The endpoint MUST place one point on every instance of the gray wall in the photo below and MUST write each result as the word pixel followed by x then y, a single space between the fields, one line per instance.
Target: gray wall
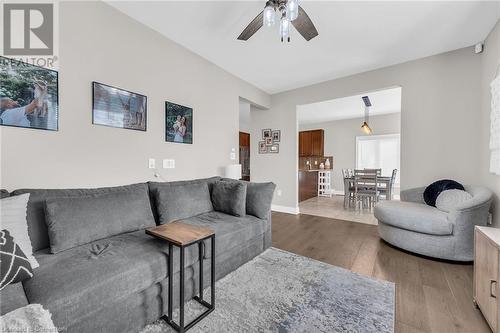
pixel 440 120
pixel 340 140
pixel 100 43
pixel 490 63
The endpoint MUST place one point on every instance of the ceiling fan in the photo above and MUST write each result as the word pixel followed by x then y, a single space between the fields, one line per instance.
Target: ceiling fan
pixel 288 11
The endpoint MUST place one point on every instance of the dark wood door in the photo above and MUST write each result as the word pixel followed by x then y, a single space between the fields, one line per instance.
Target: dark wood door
pixel 317 147
pixel 245 155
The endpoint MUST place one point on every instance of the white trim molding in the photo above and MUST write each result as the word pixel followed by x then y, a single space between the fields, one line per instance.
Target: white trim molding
pixel 285 209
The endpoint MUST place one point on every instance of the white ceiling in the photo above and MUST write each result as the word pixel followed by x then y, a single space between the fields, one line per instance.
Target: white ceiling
pixel 353 36
pixel 383 102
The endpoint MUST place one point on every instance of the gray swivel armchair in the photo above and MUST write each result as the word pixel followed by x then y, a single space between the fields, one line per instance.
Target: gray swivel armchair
pixel 412 225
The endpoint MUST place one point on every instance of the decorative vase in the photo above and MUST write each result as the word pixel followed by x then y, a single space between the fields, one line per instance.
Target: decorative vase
pixel 321 166
pixel 327 163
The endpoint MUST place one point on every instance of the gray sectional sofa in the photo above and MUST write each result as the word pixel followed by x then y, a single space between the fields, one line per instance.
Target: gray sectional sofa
pixel 119 283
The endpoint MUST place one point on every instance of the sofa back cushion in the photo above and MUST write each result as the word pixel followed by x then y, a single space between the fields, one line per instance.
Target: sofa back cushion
pixel 4 194
pixel 37 227
pixel 259 197
pixel 230 197
pixel 74 221
pixel 155 186
pixel 182 200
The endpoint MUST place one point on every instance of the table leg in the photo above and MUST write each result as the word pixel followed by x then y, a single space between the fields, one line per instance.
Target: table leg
pixel 212 287
pixel 170 279
pixel 200 255
pixel 181 301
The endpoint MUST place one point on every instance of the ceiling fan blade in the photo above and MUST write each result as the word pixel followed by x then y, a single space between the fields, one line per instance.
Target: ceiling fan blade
pixel 253 27
pixel 304 25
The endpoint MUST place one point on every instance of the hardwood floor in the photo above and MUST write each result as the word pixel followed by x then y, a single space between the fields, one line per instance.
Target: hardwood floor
pixel 431 296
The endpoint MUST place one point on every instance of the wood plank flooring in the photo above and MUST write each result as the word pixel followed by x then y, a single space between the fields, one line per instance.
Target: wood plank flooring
pixel 431 296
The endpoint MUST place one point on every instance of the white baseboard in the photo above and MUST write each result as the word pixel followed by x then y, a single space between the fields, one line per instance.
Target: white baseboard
pixel 337 192
pixel 285 209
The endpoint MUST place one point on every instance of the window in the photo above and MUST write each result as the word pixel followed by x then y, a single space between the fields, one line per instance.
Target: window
pixel 379 152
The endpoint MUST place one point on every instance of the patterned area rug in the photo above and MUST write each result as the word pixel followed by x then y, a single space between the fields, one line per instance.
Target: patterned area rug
pixel 279 291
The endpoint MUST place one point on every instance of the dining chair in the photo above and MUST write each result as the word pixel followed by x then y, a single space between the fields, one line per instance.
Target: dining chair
pixel 366 190
pixel 388 191
pixel 348 187
pixel 379 171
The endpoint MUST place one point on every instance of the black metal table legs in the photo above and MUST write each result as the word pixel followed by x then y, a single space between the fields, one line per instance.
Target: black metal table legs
pixel 210 306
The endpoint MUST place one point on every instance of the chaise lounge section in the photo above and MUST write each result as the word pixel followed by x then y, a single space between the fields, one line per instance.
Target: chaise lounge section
pixel 120 283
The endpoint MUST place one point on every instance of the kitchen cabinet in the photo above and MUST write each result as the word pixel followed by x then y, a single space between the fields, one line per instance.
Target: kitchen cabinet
pixel 311 143
pixel 308 184
pixel 486 274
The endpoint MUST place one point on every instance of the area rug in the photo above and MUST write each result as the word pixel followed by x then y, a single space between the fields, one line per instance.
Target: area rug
pixel 279 291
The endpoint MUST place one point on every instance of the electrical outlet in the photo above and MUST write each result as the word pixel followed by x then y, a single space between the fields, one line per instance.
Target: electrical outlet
pixel 152 163
pixel 232 156
pixel 168 164
pixel 279 192
pixel 490 219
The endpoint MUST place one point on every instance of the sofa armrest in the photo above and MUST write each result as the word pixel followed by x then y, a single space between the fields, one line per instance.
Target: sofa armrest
pixel 413 195
pixel 268 239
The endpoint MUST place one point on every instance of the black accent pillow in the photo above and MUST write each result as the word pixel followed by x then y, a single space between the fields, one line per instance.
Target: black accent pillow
pixel 434 190
pixel 14 265
pixel 230 197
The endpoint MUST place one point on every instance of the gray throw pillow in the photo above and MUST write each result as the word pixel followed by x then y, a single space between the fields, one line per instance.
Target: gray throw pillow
pixel 74 221
pixel 230 197
pixel 259 199
pixel 449 199
pixel 177 202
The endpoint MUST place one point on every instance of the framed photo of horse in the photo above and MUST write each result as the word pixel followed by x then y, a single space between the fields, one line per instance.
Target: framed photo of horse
pixel 117 107
pixel 29 95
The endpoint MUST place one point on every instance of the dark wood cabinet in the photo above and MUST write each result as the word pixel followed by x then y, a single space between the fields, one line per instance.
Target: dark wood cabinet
pixel 311 143
pixel 308 185
pixel 245 155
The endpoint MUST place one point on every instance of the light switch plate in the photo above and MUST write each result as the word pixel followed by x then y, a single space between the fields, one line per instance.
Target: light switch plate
pixel 152 163
pixel 168 164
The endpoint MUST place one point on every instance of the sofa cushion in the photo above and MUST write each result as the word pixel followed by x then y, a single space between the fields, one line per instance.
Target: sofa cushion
pixel 230 197
pixel 83 279
pixel 74 221
pixel 176 202
pixel 259 197
pixel 432 191
pixel 230 231
pixel 413 216
pixel 13 297
pixel 450 199
pixel 14 265
pixel 36 207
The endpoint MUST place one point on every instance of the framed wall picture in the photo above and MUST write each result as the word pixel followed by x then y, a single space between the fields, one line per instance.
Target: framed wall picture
pixel 269 141
pixel 276 135
pixel 178 123
pixel 262 147
pixel 115 107
pixel 29 95
pixel 274 148
pixel 266 133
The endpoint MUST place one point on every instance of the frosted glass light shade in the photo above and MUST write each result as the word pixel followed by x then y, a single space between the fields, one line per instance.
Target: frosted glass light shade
pixel 284 29
pixel 292 9
pixel 233 171
pixel 269 16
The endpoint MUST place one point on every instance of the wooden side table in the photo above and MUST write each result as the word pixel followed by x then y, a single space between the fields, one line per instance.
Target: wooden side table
pixel 487 274
pixel 183 235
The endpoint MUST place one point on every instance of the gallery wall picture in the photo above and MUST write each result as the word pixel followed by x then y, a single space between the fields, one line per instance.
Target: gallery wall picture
pixel 28 95
pixel 117 107
pixel 178 123
pixel 270 141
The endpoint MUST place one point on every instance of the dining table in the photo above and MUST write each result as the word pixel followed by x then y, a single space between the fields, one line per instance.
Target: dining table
pixel 381 180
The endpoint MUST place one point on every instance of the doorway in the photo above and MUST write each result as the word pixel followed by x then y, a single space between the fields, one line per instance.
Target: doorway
pixel 245 155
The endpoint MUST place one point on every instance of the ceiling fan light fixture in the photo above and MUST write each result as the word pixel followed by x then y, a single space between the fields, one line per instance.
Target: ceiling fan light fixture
pixel 292 9
pixel 269 14
pixel 285 29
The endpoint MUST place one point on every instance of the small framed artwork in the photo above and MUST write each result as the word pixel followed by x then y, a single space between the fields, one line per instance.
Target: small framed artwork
pixel 115 107
pixel 266 133
pixel 276 135
pixel 274 148
pixel 178 123
pixel 262 147
pixel 269 141
pixel 29 95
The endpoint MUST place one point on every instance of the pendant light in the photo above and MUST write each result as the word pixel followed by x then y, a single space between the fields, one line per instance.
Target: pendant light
pixel 269 14
pixel 365 127
pixel 284 28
